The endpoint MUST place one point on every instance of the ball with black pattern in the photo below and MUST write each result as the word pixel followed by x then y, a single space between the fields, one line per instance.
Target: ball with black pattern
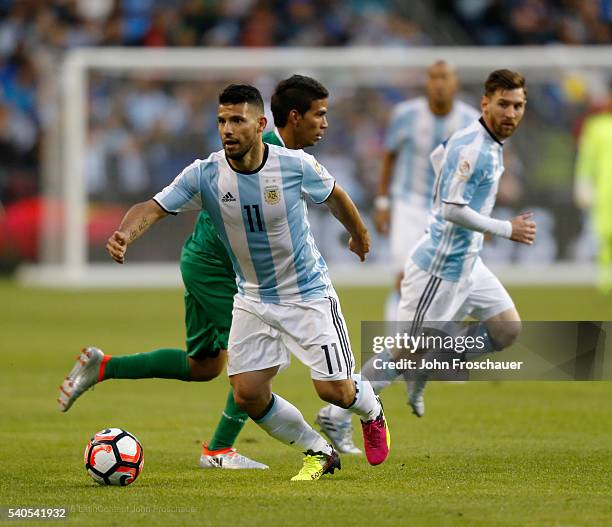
pixel 114 457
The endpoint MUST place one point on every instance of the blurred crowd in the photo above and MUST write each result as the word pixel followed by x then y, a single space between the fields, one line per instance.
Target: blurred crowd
pixel 33 34
pixel 532 22
pixel 143 130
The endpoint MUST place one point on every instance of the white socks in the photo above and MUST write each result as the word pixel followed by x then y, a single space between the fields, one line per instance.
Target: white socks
pixel 366 404
pixel 285 422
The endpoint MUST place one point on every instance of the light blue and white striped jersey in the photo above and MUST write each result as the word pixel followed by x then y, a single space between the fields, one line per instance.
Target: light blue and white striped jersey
pixel 414 131
pixel 468 167
pixel 261 218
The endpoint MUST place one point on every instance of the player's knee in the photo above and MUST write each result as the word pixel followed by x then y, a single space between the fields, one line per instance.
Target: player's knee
pixel 205 370
pixel 505 334
pixel 249 398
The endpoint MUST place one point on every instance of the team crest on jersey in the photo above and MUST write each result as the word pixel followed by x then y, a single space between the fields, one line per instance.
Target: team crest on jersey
pixel 463 170
pixel 272 194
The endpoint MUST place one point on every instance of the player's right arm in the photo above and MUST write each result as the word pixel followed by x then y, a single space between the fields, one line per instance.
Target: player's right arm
pixel 135 223
pixel 182 194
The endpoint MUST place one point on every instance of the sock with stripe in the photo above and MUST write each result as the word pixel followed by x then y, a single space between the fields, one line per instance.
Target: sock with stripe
pixel 284 422
pixel 366 405
pixel 165 363
pixel 230 425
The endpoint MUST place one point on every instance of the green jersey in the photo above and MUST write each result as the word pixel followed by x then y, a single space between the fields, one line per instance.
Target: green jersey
pixel 594 167
pixel 203 243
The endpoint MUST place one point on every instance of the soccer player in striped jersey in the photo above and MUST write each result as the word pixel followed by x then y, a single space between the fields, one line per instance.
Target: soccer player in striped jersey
pixel 407 178
pixel 254 194
pixel 444 279
pixel 406 185
pixel 299 107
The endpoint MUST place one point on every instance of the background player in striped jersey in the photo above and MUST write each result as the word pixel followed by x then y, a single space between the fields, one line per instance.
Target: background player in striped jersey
pixel 407 178
pixel 254 194
pixel 445 279
pixel 299 107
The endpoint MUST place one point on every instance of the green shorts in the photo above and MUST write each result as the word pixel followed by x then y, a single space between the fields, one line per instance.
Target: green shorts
pixel 209 297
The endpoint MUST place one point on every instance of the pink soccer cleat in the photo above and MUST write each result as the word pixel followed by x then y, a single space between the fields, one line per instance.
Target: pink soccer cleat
pixel 376 439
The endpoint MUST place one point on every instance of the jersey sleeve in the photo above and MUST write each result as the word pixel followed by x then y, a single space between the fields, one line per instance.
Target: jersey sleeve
pixel 183 193
pixel 317 182
pixel 395 131
pixel 462 177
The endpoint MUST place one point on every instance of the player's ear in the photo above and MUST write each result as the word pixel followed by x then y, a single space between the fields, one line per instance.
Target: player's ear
pixel 484 102
pixel 262 123
pixel 293 117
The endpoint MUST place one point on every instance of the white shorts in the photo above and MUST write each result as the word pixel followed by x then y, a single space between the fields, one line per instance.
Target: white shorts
pixel 425 297
pixel 265 335
pixel 408 224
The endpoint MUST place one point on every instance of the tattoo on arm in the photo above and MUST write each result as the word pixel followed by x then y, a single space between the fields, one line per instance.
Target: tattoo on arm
pixel 142 226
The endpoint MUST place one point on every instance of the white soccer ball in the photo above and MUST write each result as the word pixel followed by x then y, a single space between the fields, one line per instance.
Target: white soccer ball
pixel 114 457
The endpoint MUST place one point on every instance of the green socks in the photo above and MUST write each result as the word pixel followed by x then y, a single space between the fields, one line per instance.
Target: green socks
pixel 165 363
pixel 231 423
pixel 168 363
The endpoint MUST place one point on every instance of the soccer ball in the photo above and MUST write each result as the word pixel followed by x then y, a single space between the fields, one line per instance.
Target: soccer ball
pixel 114 457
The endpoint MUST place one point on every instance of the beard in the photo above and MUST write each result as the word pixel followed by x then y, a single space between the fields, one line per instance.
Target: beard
pixel 503 131
pixel 239 152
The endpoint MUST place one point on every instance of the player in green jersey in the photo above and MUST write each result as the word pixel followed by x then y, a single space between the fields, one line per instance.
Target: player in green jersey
pixel 299 108
pixel 593 189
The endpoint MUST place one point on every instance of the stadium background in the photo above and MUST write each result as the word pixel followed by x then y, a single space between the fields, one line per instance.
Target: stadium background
pixel 486 453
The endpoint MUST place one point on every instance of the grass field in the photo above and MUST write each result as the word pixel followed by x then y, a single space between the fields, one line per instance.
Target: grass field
pixel 485 453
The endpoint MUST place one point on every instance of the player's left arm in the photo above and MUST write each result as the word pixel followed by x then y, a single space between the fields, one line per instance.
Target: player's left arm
pixel 467 217
pixel 464 179
pixel 321 187
pixel 342 207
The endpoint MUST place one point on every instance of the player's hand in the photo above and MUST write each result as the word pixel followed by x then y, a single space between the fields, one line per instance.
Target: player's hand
pixel 382 220
pixel 523 228
pixel 360 245
pixel 116 246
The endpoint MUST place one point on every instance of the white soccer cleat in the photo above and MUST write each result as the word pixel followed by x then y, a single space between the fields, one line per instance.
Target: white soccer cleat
pixel 339 434
pixel 416 401
pixel 228 458
pixel 84 375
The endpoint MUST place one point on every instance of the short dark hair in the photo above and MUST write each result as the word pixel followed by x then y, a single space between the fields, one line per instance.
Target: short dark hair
pixel 295 93
pixel 239 93
pixel 504 80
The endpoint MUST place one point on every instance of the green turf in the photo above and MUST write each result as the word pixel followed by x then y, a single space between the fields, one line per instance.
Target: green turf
pixel 484 454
